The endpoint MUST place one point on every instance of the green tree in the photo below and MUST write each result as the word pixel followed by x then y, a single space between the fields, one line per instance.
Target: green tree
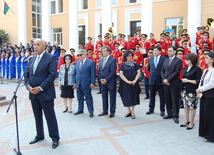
pixel 4 35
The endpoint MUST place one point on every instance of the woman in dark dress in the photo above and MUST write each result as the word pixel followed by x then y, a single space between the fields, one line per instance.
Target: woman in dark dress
pixel 206 93
pixel 190 78
pixel 129 88
pixel 66 82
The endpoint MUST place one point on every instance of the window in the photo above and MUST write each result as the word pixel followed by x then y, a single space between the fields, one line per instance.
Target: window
pixel 134 26
pixel 99 3
pixel 85 4
pixel 82 34
pixel 176 25
pixel 36 19
pixel 57 35
pixel 101 29
pixel 56 6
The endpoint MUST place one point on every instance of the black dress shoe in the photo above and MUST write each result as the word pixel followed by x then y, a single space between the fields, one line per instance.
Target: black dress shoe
pixel 102 114
pixel 167 117
pixel 99 92
pixel 55 144
pixel 91 115
pixel 184 125
pixel 190 128
pixel 162 113
pixel 77 113
pixel 65 110
pixel 176 120
pixel 111 115
pixel 149 112
pixel 35 140
pixel 147 98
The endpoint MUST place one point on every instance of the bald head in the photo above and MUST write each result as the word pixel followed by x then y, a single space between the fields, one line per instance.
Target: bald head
pixel 39 46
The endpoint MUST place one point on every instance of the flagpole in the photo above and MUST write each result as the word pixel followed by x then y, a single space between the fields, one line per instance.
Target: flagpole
pixel 10 8
pixel 12 11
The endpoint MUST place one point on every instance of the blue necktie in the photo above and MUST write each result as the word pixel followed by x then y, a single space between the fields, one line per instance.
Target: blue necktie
pixel 156 62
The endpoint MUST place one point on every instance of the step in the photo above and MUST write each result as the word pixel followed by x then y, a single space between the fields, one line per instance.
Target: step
pixel 4 102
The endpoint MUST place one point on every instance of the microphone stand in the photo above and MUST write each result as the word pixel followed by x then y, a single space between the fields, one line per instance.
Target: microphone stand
pixel 16 113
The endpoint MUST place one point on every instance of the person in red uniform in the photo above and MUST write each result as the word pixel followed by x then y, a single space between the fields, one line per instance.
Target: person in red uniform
pixel 144 45
pixel 123 42
pixel 168 43
pixel 180 55
pixel 185 31
pixel 200 52
pixel 146 72
pixel 138 34
pixel 131 43
pixel 97 67
pixel 198 36
pixel 206 39
pixel 169 38
pixel 116 53
pixel 184 37
pixel 113 42
pixel 106 42
pixel 90 45
pixel 120 60
pixel 202 62
pixel 61 59
pixel 90 56
pixel 152 40
pixel 119 37
pixel 96 52
pixel 99 41
pixel 135 38
pixel 163 44
pixel 186 49
pixel 163 52
pixel 138 55
pixel 74 57
pixel 81 46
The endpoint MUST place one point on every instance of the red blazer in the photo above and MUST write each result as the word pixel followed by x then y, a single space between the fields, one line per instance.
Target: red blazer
pixel 98 43
pixel 90 46
pixel 120 61
pixel 61 62
pixel 116 54
pixel 131 44
pixel 145 67
pixel 124 44
pixel 153 42
pixel 138 57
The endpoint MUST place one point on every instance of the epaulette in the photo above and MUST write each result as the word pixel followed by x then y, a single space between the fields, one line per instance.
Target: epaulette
pixel 189 41
pixel 167 42
pixel 141 52
pixel 139 38
pixel 92 44
pixel 133 41
pixel 109 42
pixel 210 40
pixel 189 49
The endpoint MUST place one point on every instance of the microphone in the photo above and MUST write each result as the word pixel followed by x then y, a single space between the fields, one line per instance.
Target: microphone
pixel 29 58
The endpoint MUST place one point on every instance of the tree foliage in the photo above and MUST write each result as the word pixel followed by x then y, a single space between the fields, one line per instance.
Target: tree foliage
pixel 4 35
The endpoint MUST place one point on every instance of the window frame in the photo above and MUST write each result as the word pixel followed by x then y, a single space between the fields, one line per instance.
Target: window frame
pixel 137 1
pixel 57 7
pixel 177 35
pixel 81 5
pixel 52 30
pixel 36 27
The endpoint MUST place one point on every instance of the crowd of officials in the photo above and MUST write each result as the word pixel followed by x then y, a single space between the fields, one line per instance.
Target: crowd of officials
pixel 180 77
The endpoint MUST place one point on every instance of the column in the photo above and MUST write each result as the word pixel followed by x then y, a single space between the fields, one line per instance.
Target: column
pixel 73 24
pixel 22 33
pixel 46 20
pixel 146 16
pixel 194 20
pixel 106 16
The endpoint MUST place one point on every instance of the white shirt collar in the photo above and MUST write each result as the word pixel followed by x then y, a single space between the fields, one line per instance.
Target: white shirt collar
pixel 157 57
pixel 40 55
pixel 84 60
pixel 107 57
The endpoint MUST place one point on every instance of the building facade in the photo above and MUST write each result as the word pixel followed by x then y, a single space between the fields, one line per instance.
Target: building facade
pixel 70 22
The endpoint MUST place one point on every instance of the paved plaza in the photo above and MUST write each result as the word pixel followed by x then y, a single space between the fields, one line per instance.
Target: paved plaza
pixel 81 135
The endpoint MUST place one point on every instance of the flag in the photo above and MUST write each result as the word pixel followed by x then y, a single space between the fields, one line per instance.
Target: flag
pixel 6 8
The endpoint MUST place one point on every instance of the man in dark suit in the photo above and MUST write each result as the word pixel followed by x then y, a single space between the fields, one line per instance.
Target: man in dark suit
pixel 170 72
pixel 155 80
pixel 107 73
pixel 84 80
pixel 58 48
pixel 39 80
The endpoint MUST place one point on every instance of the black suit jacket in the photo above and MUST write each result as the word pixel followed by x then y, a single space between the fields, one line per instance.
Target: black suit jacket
pixel 44 77
pixel 58 48
pixel 172 72
pixel 155 73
